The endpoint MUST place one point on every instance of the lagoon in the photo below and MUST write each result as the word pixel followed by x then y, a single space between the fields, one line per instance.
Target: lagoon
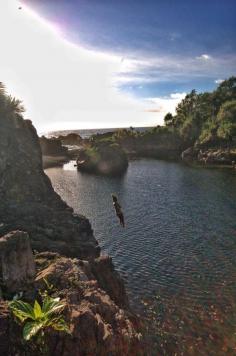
pixel 180 234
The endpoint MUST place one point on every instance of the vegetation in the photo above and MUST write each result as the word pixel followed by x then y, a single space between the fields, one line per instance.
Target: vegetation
pixel 203 119
pixel 226 120
pixel 8 104
pixel 38 320
pixel 103 156
pixel 206 117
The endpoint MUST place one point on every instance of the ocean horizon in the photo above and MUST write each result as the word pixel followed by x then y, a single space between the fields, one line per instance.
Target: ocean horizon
pixel 86 133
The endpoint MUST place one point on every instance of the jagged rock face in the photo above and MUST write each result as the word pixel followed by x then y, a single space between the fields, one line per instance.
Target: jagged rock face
pixel 28 201
pixel 52 146
pixel 21 175
pixel 17 266
pixel 190 154
pixel 100 270
pixel 218 156
pixel 70 139
pixel 98 325
pixel 109 279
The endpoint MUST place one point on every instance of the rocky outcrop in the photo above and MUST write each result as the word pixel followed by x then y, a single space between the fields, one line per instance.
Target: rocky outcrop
pixel 17 267
pixel 216 156
pixel 102 158
pixel 98 326
pixel 28 201
pixel 190 154
pixel 52 147
pixel 209 156
pixel 100 270
pixel 71 139
pixel 108 279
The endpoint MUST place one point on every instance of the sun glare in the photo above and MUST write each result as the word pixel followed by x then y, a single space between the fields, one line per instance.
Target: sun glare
pixel 63 84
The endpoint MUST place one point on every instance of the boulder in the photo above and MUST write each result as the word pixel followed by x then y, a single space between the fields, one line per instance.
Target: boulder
pixel 217 156
pixel 52 147
pixel 190 154
pixel 17 266
pixel 71 139
pixel 104 159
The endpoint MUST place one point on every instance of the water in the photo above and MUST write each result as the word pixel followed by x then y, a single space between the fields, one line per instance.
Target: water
pixel 180 222
pixel 180 235
pixel 89 132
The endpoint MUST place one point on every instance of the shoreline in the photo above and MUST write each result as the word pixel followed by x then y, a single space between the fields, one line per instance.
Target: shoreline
pixel 54 161
pixel 58 161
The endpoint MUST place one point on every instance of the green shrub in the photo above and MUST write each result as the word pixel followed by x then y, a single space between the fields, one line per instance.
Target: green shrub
pixel 37 320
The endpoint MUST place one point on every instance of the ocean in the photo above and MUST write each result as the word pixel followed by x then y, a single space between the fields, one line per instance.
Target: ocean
pixel 89 132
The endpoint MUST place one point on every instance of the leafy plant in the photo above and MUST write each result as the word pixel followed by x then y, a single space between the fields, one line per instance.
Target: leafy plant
pixel 38 319
pixel 48 289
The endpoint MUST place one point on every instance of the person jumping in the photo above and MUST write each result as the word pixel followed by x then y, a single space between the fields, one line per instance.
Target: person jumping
pixel 118 210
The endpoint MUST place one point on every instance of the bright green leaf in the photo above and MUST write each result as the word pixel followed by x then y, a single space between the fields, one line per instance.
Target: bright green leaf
pixel 61 325
pixel 22 310
pixel 37 310
pixel 31 328
pixel 52 305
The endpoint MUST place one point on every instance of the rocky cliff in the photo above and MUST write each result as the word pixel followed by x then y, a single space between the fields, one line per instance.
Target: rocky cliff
pixel 216 156
pixel 95 293
pixel 28 201
pixel 97 324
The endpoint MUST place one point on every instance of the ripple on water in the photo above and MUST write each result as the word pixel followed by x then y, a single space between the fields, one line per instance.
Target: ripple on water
pixel 180 235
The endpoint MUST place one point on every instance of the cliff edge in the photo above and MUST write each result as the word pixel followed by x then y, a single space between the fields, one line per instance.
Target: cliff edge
pixel 30 210
pixel 28 201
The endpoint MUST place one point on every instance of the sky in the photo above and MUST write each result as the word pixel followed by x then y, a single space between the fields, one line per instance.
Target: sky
pixel 112 63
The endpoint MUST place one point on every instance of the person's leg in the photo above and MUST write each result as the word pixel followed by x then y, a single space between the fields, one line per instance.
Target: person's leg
pixel 122 221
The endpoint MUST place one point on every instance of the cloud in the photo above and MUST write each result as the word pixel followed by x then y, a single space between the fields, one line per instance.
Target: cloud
pixel 204 57
pixel 163 105
pixel 67 86
pixel 218 81
pixel 178 96
pixel 159 110
pixel 173 69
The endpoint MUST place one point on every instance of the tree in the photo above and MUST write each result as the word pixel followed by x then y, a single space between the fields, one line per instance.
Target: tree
pixel 168 119
pixel 226 119
pixel 8 104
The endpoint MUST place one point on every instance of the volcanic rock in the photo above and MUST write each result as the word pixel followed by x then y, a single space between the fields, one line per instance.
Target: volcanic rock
pixel 17 266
